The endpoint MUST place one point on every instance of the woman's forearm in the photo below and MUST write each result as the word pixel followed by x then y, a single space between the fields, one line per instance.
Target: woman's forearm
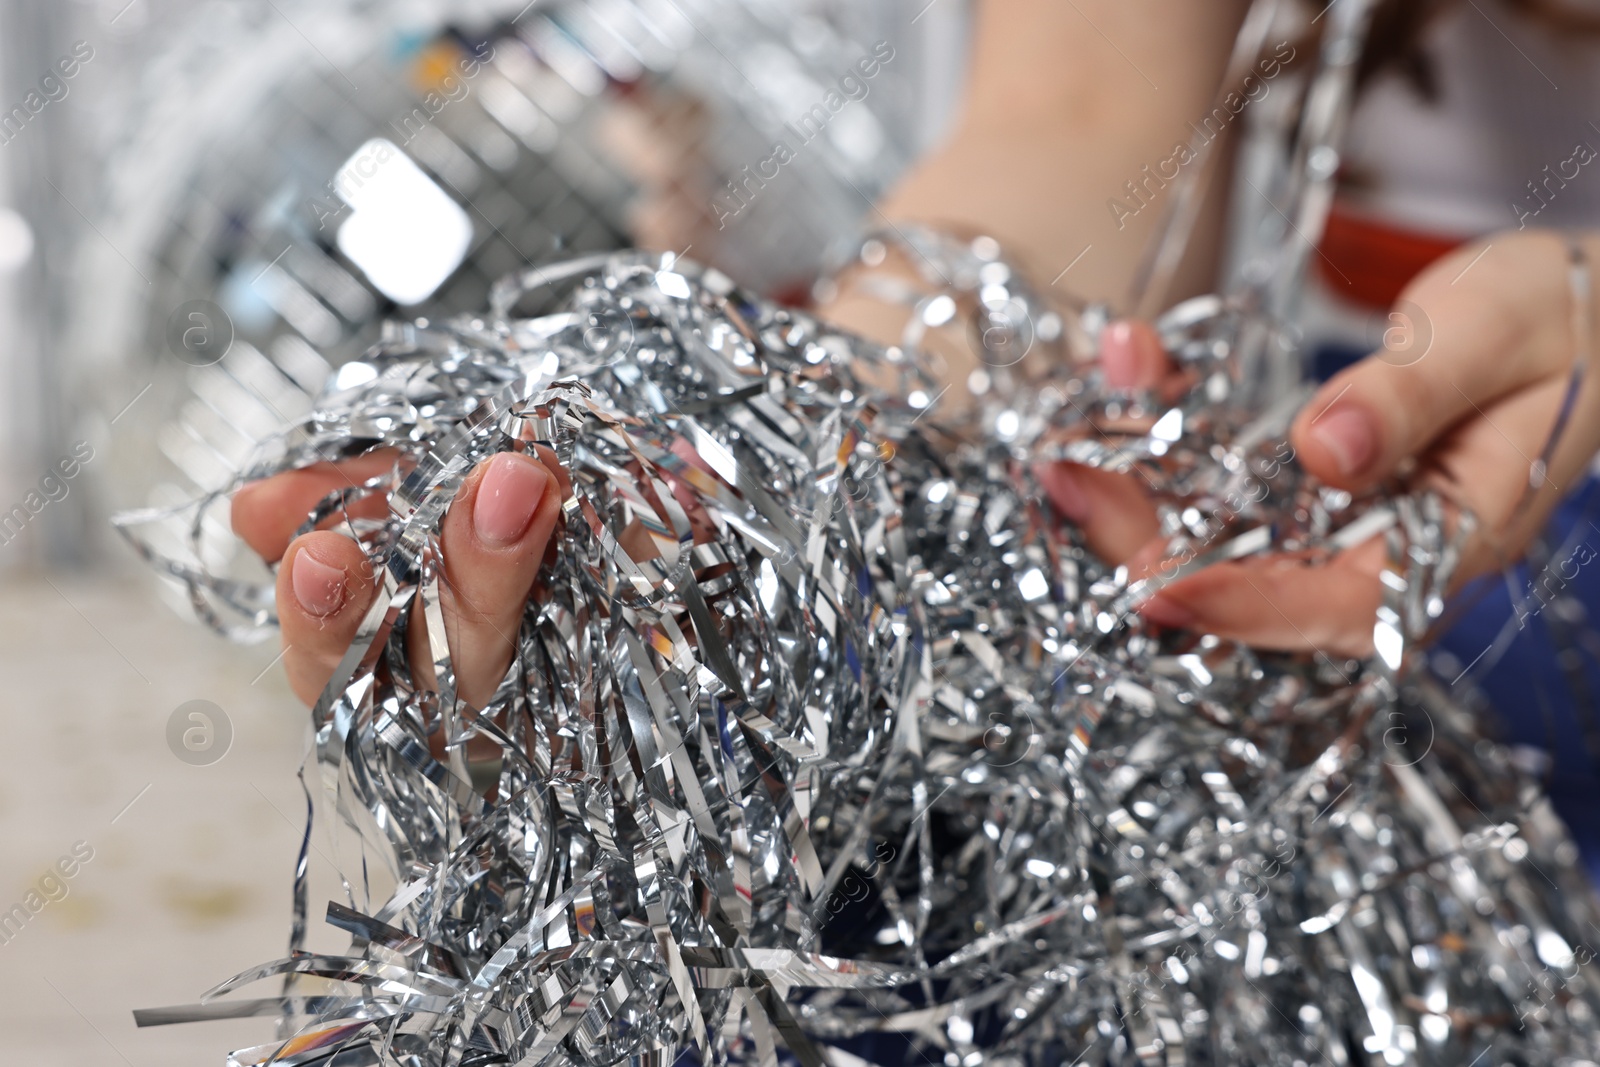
pixel 1069 101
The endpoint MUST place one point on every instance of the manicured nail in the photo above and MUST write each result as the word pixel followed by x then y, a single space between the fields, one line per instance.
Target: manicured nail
pixel 318 586
pixel 1065 489
pixel 1164 611
pixel 1348 433
pixel 508 496
pixel 1126 350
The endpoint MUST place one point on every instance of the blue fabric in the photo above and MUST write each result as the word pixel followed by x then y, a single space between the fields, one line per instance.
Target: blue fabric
pixel 1534 698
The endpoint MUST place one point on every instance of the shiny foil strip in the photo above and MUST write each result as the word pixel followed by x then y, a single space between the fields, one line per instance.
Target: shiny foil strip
pixel 827 741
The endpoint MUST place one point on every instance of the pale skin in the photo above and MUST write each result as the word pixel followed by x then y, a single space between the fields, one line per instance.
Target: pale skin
pixel 1056 118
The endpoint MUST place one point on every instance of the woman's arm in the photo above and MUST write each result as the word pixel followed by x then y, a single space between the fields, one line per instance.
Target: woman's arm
pixel 1068 101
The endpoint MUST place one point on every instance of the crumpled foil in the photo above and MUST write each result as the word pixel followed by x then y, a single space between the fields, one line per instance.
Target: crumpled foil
pixel 866 759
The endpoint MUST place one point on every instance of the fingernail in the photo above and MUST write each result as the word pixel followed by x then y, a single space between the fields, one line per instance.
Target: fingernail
pixel 1348 433
pixel 318 586
pixel 508 496
pixel 1126 351
pixel 1164 611
pixel 1065 490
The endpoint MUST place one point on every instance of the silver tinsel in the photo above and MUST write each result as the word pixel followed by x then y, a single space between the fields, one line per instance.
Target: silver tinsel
pixel 867 759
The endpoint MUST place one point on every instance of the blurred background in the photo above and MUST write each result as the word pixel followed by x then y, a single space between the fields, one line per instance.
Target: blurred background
pixel 206 208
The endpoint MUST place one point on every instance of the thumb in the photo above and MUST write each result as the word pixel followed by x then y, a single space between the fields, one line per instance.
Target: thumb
pixel 1449 354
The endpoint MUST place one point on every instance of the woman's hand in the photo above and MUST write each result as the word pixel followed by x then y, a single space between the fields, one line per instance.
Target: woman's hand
pixel 493 542
pixel 1466 407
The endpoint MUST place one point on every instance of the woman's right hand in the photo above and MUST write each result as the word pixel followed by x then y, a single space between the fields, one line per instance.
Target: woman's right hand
pixel 1467 416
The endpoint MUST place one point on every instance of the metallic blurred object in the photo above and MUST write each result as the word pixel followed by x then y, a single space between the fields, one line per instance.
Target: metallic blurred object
pixel 220 277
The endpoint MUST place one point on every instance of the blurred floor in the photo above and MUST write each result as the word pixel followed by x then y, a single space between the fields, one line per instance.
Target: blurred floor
pixel 190 876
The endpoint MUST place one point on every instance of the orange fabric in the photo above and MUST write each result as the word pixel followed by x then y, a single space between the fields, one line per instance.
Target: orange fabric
pixel 1369 263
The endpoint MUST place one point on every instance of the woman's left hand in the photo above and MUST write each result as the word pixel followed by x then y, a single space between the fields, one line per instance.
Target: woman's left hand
pixel 1466 405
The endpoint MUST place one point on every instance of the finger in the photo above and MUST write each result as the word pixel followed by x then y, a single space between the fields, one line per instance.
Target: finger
pixel 324 589
pixel 266 513
pixel 1281 603
pixel 1131 355
pixel 1116 516
pixel 1448 360
pixel 493 541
